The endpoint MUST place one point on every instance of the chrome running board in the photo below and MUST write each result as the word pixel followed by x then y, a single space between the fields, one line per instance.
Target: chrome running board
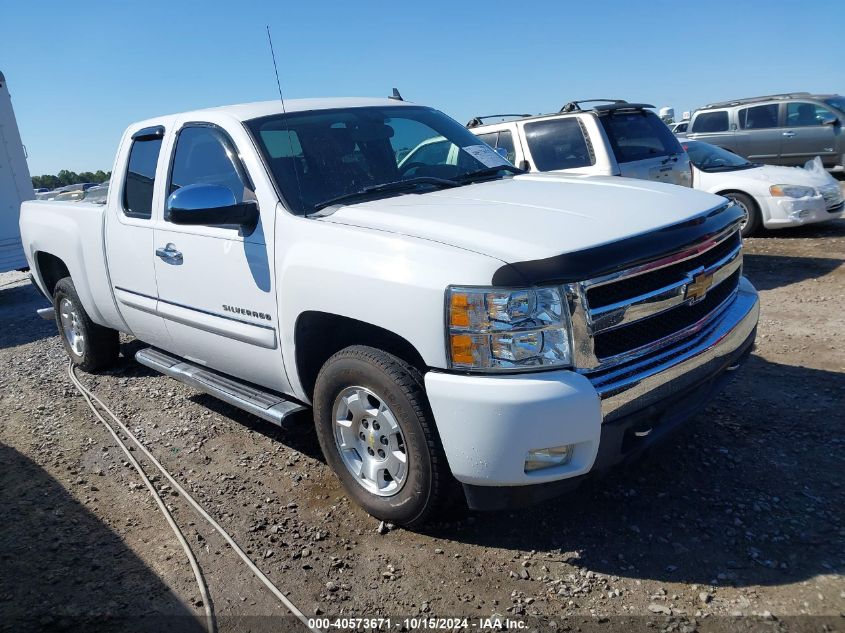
pixel 264 404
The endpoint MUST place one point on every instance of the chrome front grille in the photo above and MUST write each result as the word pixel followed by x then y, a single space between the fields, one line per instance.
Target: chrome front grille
pixel 635 312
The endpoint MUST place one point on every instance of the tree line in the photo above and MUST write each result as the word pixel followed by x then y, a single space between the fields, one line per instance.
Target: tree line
pixel 67 177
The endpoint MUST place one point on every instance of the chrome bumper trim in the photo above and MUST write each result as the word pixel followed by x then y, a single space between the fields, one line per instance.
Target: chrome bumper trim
pixel 646 381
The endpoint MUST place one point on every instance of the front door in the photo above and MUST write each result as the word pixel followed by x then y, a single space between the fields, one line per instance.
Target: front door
pixel 807 136
pixel 217 283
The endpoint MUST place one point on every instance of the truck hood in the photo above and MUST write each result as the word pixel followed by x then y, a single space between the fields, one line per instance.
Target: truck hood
pixel 532 216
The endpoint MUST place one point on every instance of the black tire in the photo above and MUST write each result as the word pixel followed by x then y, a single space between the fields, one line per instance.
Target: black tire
pixel 752 225
pixel 100 346
pixel 428 485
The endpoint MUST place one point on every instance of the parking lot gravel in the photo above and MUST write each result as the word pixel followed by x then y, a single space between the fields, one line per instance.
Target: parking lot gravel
pixel 740 516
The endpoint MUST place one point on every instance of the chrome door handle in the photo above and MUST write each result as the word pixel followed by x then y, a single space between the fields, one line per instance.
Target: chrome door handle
pixel 169 254
pixel 789 134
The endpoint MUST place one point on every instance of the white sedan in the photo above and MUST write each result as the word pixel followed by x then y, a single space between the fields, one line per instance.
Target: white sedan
pixel 772 196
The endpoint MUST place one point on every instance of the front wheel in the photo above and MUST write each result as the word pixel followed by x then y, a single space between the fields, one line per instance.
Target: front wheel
pixel 90 346
pixel 377 433
pixel 752 221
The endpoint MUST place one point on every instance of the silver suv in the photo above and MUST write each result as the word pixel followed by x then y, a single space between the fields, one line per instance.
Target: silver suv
pixel 783 129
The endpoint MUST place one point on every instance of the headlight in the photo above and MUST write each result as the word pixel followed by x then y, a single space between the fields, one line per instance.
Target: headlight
pixel 499 330
pixel 791 191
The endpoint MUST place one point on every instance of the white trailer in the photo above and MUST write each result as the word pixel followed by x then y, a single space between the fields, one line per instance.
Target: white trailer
pixel 15 184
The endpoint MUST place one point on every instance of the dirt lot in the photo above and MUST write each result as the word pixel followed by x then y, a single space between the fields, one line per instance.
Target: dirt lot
pixel 741 516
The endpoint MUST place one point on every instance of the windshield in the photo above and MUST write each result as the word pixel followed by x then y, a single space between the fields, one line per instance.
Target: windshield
pixel 711 158
pixel 327 155
pixel 836 102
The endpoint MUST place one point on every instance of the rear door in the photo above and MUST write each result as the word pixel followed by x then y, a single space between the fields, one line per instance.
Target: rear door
pixel 137 188
pixel 805 136
pixel 645 147
pixel 759 134
pixel 217 283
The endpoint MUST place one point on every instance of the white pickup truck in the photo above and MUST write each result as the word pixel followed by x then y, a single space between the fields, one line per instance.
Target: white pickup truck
pixel 448 323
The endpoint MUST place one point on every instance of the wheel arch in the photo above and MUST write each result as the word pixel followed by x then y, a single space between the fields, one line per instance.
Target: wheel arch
pixel 50 269
pixel 319 335
pixel 725 192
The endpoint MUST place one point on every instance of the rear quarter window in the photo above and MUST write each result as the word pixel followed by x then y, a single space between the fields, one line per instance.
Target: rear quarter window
pixel 558 144
pixel 638 136
pixel 710 122
pixel 140 178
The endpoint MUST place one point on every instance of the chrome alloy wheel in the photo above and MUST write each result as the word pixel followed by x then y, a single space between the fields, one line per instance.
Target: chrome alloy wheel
pixel 71 326
pixel 370 441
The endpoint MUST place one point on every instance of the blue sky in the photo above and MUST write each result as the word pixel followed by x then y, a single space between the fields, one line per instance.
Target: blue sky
pixel 80 72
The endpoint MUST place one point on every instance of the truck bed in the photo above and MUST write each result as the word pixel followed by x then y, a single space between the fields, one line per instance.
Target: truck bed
pixel 72 232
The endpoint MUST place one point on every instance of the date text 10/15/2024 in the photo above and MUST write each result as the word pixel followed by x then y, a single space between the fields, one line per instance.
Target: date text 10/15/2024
pixel 492 623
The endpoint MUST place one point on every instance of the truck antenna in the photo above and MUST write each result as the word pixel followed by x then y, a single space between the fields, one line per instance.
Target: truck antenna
pixel 285 116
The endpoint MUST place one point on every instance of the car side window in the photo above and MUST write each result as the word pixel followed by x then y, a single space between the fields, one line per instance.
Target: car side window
pixel 759 117
pixel 558 144
pixel 503 139
pixel 711 122
pixel 506 143
pixel 489 138
pixel 140 177
pixel 802 114
pixel 205 155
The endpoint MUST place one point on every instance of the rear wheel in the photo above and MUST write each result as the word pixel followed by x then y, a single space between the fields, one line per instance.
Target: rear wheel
pixel 751 223
pixel 90 346
pixel 377 433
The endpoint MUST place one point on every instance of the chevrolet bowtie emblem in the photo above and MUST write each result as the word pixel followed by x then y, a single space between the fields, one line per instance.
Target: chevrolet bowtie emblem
pixel 697 290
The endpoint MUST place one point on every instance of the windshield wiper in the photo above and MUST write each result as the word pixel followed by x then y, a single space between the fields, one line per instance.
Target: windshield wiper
pixel 398 186
pixel 481 174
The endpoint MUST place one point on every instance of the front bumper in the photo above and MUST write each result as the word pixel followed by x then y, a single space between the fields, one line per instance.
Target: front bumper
pixel 785 212
pixel 488 424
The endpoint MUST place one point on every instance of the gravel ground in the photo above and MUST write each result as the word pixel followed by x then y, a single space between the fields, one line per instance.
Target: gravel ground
pixel 740 516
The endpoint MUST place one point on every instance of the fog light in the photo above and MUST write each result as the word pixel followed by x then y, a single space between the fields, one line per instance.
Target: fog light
pixel 548 457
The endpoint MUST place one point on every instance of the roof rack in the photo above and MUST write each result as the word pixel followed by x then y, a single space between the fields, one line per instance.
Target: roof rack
pixel 575 106
pixel 608 105
pixel 733 102
pixel 479 120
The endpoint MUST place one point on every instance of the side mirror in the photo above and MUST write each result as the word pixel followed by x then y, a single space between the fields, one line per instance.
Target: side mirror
pixel 524 165
pixel 830 119
pixel 210 205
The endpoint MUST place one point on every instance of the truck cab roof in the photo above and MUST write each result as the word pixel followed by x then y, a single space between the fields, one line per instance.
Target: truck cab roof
pixel 258 109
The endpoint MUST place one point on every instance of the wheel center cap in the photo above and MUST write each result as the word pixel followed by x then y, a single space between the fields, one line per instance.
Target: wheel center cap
pixel 371 439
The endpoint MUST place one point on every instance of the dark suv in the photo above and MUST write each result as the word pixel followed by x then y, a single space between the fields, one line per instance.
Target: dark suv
pixel 783 129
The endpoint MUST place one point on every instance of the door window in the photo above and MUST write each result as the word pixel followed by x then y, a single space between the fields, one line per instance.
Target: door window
pixel 140 178
pixel 503 139
pixel 759 117
pixel 557 144
pixel 205 155
pixel 489 138
pixel 800 114
pixel 711 122
pixel 506 142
